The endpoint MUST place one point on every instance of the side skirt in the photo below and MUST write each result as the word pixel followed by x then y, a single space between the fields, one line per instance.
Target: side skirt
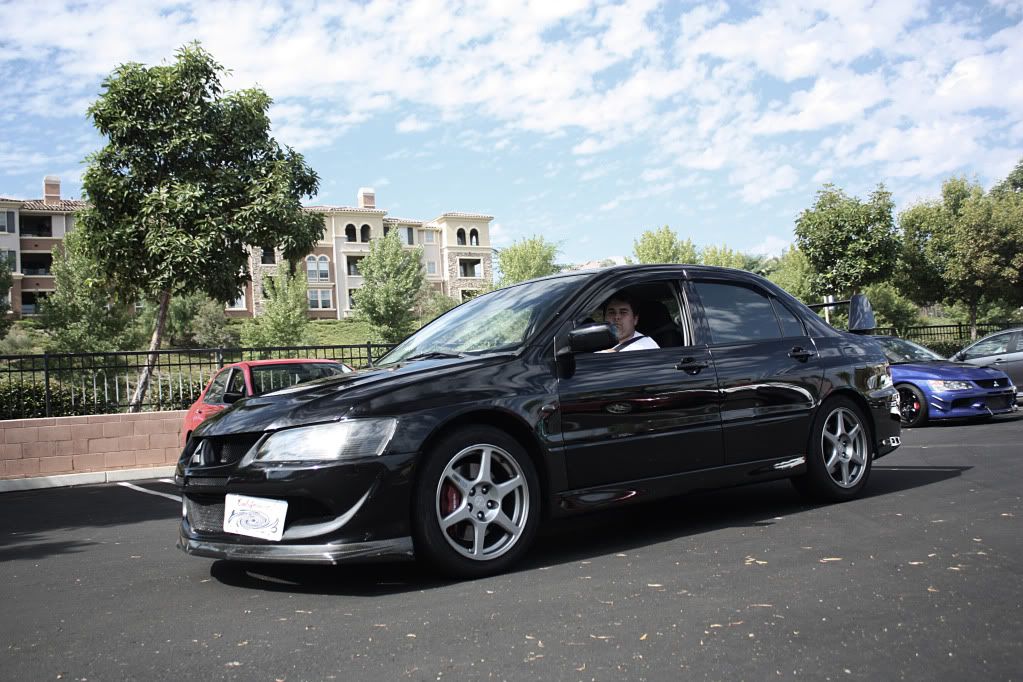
pixel 616 494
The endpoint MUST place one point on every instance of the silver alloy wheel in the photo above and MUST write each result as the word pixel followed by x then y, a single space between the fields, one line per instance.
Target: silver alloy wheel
pixel 845 447
pixel 482 502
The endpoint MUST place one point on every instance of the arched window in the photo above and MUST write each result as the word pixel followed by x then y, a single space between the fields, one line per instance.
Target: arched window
pixel 350 233
pixel 474 238
pixel 324 267
pixel 310 268
pixel 364 233
pixel 460 237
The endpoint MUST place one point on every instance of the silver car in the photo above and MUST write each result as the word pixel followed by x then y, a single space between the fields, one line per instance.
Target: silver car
pixel 1002 350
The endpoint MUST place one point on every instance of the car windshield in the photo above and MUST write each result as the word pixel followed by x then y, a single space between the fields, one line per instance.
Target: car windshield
pixel 499 321
pixel 266 378
pixel 900 350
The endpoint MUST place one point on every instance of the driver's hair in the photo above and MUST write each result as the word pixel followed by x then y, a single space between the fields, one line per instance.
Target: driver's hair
pixel 621 297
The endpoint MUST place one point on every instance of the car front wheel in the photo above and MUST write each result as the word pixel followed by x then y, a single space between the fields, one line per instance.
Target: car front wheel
pixel 912 405
pixel 839 453
pixel 476 506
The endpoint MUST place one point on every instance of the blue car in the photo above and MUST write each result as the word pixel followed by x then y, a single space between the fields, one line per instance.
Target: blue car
pixel 931 387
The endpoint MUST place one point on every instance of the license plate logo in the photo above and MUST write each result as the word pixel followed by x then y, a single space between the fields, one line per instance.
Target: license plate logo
pixel 255 517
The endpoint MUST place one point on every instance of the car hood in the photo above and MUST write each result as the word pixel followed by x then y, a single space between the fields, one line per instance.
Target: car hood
pixel 330 399
pixel 944 369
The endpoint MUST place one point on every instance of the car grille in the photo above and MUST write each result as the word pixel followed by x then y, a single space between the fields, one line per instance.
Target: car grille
pixel 205 514
pixel 992 383
pixel 1001 402
pixel 218 450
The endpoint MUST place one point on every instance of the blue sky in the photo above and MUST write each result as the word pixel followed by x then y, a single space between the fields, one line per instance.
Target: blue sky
pixel 584 122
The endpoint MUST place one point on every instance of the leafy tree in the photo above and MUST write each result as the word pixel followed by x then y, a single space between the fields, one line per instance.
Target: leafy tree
pixel 82 315
pixel 432 304
pixel 5 288
pixel 1013 182
pixel 285 318
pixel 189 178
pixel 724 257
pixel 178 329
pixel 392 277
pixel 527 259
pixel 663 246
pixel 792 272
pixel 848 243
pixel 891 307
pixel 210 328
pixel 966 249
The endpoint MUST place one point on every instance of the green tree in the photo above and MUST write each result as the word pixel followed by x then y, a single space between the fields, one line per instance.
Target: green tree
pixel 663 246
pixel 5 288
pixel 188 179
pixel 1013 182
pixel 792 272
pixel 392 277
pixel 284 320
pixel 527 259
pixel 178 331
pixel 210 328
pixel 848 243
pixel 891 307
pixel 966 249
pixel 432 304
pixel 82 315
pixel 725 257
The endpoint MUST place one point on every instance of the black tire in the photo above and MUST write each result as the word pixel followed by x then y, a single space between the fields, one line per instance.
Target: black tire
pixel 469 523
pixel 912 406
pixel 848 447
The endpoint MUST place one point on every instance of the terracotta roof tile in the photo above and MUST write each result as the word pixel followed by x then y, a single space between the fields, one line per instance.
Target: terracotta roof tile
pixel 62 206
pixel 457 214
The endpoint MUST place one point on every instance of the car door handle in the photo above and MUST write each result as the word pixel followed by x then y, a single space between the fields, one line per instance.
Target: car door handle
pixel 999 361
pixel 801 353
pixel 691 366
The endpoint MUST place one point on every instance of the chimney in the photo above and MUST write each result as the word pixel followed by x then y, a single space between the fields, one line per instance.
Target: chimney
pixel 367 197
pixel 51 189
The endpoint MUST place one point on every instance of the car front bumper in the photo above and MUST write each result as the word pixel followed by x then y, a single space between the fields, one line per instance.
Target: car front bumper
pixel 966 404
pixel 342 512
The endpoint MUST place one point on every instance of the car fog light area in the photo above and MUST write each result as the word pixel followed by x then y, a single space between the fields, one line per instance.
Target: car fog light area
pixel 940 385
pixel 350 439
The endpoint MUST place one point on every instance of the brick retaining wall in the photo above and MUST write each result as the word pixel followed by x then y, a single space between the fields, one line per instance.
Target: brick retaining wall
pixel 74 445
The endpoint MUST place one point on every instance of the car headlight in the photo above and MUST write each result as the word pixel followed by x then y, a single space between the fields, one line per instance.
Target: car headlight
pixel 347 439
pixel 943 385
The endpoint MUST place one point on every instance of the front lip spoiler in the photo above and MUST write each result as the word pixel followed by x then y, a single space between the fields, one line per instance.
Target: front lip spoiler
pixel 355 552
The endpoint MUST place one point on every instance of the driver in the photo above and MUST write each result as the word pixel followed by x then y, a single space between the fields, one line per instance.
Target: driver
pixel 620 310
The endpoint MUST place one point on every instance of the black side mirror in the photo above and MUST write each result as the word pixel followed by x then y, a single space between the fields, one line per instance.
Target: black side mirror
pixel 592 338
pixel 861 314
pixel 232 397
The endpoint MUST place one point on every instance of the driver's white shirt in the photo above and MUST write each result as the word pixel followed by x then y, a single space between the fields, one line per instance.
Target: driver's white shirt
pixel 644 343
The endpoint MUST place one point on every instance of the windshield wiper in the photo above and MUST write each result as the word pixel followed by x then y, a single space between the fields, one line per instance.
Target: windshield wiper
pixel 433 355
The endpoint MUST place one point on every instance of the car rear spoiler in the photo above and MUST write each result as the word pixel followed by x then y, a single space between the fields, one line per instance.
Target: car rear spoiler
pixel 861 313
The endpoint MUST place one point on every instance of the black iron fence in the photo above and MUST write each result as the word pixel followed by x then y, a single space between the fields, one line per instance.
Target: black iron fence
pixel 66 384
pixel 944 333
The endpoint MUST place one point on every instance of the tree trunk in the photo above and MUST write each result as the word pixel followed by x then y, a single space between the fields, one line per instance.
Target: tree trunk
pixel 154 345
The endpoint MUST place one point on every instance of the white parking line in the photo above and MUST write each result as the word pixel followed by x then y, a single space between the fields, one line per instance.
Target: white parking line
pixel 151 492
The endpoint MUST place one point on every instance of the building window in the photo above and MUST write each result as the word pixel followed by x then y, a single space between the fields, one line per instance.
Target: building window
pixel 36 226
pixel 428 237
pixel 12 260
pixel 351 299
pixel 349 233
pixel 387 230
pixel 7 221
pixel 470 267
pixel 474 238
pixel 460 237
pixel 310 269
pixel 411 236
pixel 36 264
pixel 268 257
pixel 353 265
pixel 469 294
pixel 364 234
pixel 319 299
pixel 324 268
pixel 431 267
pixel 238 303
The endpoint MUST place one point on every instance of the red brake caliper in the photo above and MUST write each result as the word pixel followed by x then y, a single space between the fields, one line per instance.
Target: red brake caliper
pixel 449 498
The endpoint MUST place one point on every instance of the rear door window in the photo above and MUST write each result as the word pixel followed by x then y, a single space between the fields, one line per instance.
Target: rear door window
pixel 736 313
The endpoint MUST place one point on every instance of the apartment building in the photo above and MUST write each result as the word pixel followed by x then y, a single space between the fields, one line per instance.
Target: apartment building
pixel 456 252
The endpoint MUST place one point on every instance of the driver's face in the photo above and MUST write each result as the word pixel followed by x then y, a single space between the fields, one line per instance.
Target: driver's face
pixel 619 313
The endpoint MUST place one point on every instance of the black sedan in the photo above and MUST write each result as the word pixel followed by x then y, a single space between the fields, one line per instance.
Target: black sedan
pixel 502 413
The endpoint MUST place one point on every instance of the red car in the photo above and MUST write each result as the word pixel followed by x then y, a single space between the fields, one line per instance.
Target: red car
pixel 254 377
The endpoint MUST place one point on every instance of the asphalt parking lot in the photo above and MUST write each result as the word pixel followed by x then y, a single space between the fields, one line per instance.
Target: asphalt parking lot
pixel 920 579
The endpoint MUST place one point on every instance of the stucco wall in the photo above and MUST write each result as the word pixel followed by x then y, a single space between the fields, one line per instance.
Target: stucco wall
pixel 73 445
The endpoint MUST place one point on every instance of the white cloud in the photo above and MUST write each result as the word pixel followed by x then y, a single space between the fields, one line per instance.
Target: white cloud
pixel 412 124
pixel 771 245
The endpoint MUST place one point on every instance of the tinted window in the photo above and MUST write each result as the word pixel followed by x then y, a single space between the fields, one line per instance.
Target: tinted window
pixel 237 384
pixel 736 313
pixel 996 345
pixel 272 377
pixel 790 324
pixel 215 395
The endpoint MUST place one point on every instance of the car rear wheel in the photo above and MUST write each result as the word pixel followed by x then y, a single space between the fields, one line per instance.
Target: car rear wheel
pixel 839 454
pixel 477 504
pixel 912 405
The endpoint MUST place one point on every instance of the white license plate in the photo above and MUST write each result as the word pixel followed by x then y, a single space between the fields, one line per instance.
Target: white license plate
pixel 256 517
